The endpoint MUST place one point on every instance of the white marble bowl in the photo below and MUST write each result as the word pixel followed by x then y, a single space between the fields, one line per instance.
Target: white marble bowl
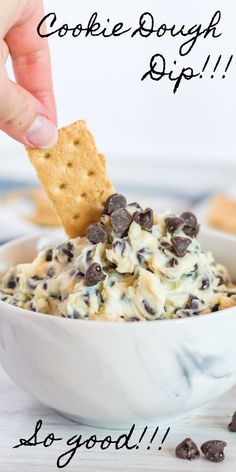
pixel 111 374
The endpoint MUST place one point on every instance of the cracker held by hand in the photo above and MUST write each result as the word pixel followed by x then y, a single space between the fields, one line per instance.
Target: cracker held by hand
pixel 75 178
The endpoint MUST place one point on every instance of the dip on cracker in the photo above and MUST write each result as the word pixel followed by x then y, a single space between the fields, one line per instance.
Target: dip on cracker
pixel 130 266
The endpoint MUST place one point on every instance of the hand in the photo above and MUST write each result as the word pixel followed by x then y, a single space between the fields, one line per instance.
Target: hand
pixel 27 108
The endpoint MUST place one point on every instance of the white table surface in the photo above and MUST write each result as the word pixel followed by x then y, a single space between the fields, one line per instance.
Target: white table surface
pixel 19 414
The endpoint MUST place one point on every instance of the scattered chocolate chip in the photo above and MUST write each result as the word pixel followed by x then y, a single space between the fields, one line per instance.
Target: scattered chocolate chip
pixel 11 283
pixel 231 294
pixel 221 280
pixel 191 226
pixel 193 303
pixel 78 275
pixel 205 284
pixel 165 246
pixel 148 308
pixel 142 255
pixel 173 263
pixel 48 255
pixel 187 449
pixel 66 249
pixel 120 244
pixel 45 286
pixel 215 308
pixel 214 450
pixel 32 307
pixel 96 233
pixel 180 245
pixel 56 296
pixel 99 296
pixel 86 298
pixel 232 424
pixel 135 205
pixel 32 282
pixel 89 256
pixel 115 202
pixel 133 319
pixel 186 313
pixel 51 272
pixel 68 253
pixel 120 221
pixel 173 224
pixel 75 315
pixel 36 277
pixel 94 275
pixel 144 219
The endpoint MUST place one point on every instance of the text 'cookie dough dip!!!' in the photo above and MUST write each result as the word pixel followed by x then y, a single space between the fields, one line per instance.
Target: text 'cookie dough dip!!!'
pixel 129 267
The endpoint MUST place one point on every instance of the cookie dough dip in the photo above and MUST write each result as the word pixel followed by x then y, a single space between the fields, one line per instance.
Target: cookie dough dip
pixel 130 266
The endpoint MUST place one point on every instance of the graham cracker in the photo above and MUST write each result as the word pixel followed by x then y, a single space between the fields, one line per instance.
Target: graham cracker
pixel 75 178
pixel 222 213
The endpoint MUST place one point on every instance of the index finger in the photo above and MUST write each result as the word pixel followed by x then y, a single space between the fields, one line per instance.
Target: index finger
pixel 31 58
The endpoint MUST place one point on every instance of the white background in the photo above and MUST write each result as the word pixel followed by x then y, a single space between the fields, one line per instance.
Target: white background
pixel 146 132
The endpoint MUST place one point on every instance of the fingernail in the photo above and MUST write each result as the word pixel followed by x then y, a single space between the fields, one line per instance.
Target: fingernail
pixel 42 133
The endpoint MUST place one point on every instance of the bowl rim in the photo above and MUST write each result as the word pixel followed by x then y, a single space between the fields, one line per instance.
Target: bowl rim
pixel 33 314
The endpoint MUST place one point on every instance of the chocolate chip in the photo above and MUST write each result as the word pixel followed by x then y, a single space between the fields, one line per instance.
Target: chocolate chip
pixel 148 308
pixel 89 256
pixel 215 308
pixel 180 245
pixel 45 286
pixel 133 319
pixel 193 303
pixel 96 233
pixel 11 283
pixel 165 246
pixel 214 450
pixel 48 255
pixel 173 263
pixel 68 253
pixel 75 315
pixel 32 307
pixel 33 282
pixel 78 275
pixel 51 272
pixel 94 275
pixel 86 298
pixel 142 255
pixel 173 224
pixel 205 284
pixel 66 249
pixel 144 219
pixel 120 221
pixel 135 205
pixel 189 218
pixel 221 280
pixel 115 202
pixel 121 245
pixel 187 449
pixel 232 424
pixel 190 227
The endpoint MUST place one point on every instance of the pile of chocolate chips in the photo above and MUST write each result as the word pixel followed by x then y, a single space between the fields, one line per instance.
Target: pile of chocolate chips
pixel 120 221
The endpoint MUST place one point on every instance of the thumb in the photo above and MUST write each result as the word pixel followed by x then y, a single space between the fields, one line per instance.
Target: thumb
pixel 23 117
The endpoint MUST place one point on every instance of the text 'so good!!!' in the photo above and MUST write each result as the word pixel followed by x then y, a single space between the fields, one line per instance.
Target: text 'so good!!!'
pixel 130 266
